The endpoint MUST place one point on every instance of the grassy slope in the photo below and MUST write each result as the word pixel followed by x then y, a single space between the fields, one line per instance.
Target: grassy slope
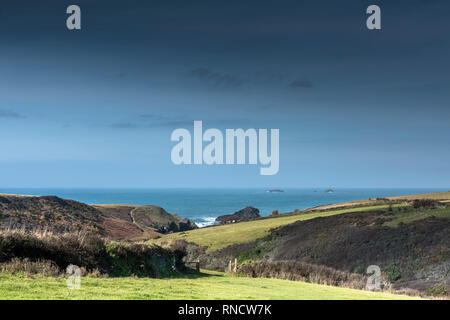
pixel 212 285
pixel 439 196
pixel 414 215
pixel 433 196
pixel 221 236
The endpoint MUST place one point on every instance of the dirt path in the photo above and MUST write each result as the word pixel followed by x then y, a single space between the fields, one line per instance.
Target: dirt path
pixel 134 220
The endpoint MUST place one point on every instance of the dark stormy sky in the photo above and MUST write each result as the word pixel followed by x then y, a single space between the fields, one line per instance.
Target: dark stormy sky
pixel 96 107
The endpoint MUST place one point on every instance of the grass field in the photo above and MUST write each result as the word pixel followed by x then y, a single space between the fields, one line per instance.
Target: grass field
pixel 221 236
pixel 209 285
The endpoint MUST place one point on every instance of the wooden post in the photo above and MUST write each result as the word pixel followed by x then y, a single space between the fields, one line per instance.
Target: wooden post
pixel 197 265
pixel 229 267
pixel 235 266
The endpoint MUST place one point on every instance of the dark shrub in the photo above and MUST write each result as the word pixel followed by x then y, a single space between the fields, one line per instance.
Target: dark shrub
pixel 299 271
pixel 28 267
pixel 89 251
pixel 392 273
pixel 186 251
pixel 143 261
pixel 424 203
pixel 85 250
pixel 436 291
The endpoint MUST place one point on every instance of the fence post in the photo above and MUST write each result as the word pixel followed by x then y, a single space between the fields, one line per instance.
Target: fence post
pixel 235 266
pixel 229 267
pixel 197 265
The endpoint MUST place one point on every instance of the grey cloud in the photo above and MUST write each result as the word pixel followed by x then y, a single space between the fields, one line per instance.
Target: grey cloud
pixel 9 114
pixel 271 77
pixel 215 78
pixel 301 83
pixel 151 117
pixel 162 121
pixel 121 75
pixel 176 123
pixel 262 77
pixel 154 120
pixel 123 125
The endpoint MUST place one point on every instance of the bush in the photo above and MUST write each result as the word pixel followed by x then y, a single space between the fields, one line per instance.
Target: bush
pixel 35 252
pixel 436 291
pixel 360 270
pixel 28 267
pixel 392 273
pixel 424 203
pixel 87 250
pixel 142 260
pixel 299 271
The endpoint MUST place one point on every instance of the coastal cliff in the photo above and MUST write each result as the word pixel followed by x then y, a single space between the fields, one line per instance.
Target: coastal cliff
pixel 116 222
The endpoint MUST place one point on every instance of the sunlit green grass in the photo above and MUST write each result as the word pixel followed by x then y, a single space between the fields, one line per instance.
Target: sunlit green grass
pixel 418 214
pixel 221 236
pixel 210 285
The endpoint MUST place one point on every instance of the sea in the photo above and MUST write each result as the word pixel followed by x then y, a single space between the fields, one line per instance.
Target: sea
pixel 203 206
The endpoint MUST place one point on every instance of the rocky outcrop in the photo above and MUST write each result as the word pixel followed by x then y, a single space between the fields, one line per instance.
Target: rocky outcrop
pixel 160 220
pixel 248 213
